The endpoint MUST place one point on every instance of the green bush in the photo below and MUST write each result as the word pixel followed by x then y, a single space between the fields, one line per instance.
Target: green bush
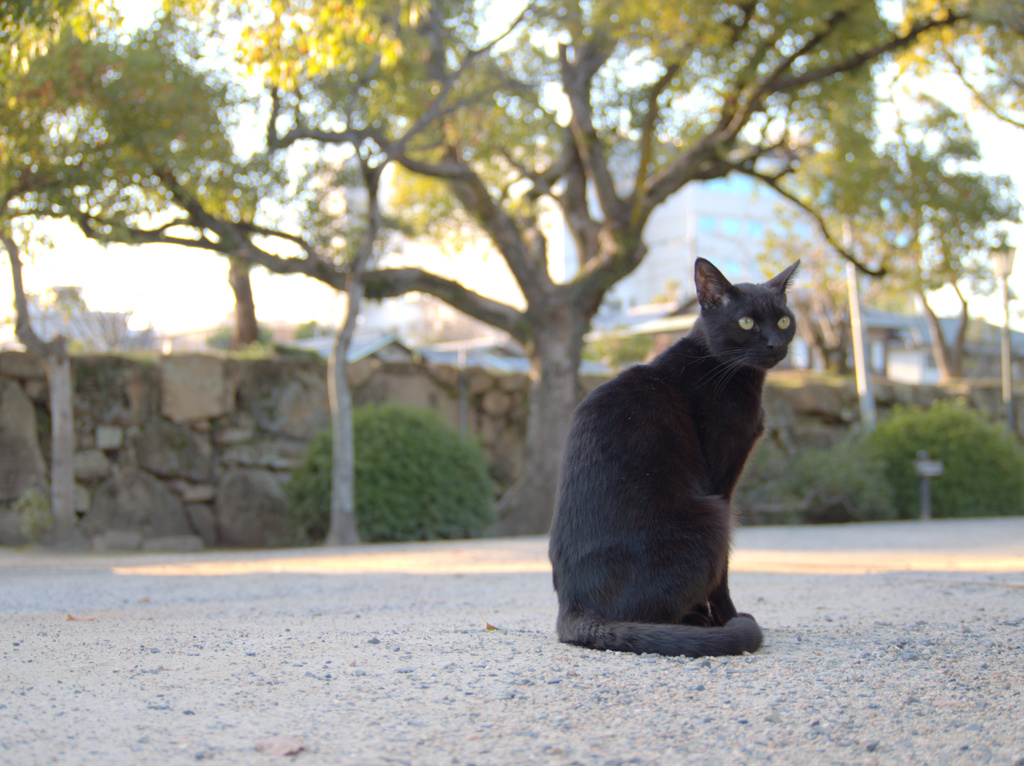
pixel 841 484
pixel 416 479
pixel 984 464
pixel 35 518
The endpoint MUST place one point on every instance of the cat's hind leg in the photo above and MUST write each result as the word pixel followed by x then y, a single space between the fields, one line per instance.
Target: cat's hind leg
pixel 700 616
pixel 720 602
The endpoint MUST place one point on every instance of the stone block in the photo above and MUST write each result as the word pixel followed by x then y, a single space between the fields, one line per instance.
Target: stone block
pixel 302 409
pixel 37 390
pixel 196 387
pixel 113 390
pixel 82 499
pixel 360 372
pixel 132 500
pixel 478 381
pixel 173 544
pixel 21 460
pixel 237 428
pixel 496 402
pixel 272 455
pixel 91 465
pixel 233 435
pixel 10 528
pixel 117 540
pixel 513 383
pixel 21 365
pixel 250 509
pixel 109 437
pixel 193 493
pixel 489 430
pixel 173 451
pixel 202 520
pixel 286 397
pixel 445 375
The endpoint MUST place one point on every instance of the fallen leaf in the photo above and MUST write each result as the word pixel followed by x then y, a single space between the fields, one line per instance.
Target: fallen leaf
pixel 80 619
pixel 290 745
pixel 488 626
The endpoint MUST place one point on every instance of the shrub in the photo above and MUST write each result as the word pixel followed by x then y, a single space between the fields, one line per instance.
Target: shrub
pixel 840 484
pixel 984 464
pixel 843 483
pixel 35 518
pixel 416 479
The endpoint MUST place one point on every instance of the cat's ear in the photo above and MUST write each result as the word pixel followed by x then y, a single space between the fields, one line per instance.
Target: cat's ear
pixel 713 289
pixel 780 281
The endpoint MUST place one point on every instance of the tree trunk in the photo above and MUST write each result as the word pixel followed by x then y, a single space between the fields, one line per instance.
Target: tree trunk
pixel 343 529
pixel 940 349
pixel 62 429
pixel 529 505
pixel 58 373
pixel 956 356
pixel 246 330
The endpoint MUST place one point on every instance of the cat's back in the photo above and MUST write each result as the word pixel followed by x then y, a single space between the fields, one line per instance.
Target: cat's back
pixel 639 400
pixel 633 435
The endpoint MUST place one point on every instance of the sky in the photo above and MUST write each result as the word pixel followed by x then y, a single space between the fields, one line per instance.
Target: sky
pixel 178 290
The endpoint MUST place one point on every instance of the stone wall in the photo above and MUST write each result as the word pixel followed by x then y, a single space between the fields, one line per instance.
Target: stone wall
pixel 188 451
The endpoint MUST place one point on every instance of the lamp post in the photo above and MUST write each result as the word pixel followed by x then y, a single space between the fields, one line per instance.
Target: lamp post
pixel 1002 262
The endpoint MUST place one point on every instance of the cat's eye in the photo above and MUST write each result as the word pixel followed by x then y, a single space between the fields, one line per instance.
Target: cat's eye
pixel 784 323
pixel 746 323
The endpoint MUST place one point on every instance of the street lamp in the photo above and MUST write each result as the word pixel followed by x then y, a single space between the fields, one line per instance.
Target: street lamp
pixel 1002 262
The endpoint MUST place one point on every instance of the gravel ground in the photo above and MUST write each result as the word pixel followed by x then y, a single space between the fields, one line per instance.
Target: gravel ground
pixel 893 643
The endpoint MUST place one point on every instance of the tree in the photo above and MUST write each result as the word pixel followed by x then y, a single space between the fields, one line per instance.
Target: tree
pixel 820 300
pixel 919 209
pixel 594 112
pixel 362 241
pixel 645 108
pixel 27 29
pixel 988 60
pixel 58 374
pixel 129 166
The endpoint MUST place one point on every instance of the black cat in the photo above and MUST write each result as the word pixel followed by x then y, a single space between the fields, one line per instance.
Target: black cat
pixel 640 540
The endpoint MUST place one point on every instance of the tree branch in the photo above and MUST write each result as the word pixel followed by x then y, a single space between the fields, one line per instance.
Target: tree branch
pixel 773 182
pixel 388 283
pixel 23 329
pixel 577 77
pixel 986 103
pixel 648 129
pixel 784 84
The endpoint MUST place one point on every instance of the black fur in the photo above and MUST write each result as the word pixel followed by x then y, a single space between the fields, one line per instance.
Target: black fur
pixel 640 540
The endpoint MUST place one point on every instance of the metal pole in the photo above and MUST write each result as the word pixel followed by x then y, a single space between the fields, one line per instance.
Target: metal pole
pixel 860 362
pixel 463 397
pixel 926 498
pixel 1011 422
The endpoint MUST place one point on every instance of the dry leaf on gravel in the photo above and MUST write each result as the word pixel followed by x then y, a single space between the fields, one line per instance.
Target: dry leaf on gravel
pixel 291 745
pixel 488 626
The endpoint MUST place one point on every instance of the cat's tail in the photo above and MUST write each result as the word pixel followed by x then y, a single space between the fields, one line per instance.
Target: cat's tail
pixel 578 625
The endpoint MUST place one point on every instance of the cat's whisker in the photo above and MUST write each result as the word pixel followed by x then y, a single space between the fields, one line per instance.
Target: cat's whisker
pixel 722 373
